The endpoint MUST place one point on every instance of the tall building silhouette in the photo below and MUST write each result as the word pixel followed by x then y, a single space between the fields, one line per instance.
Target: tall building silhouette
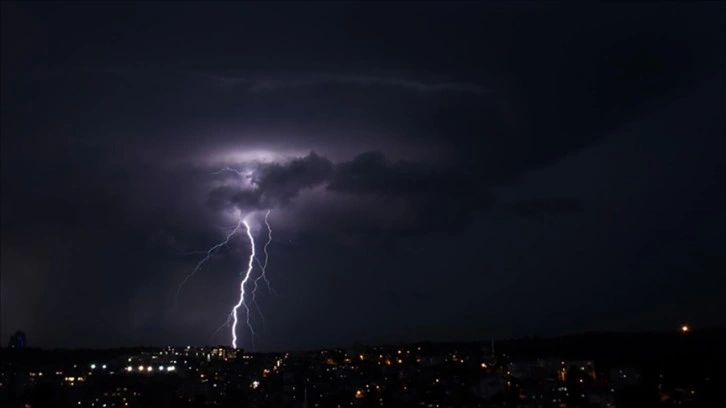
pixel 17 340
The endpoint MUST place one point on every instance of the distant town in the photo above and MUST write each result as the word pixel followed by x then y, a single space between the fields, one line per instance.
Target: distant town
pixel 683 368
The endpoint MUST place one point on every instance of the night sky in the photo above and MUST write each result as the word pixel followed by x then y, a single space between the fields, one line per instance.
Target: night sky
pixel 433 171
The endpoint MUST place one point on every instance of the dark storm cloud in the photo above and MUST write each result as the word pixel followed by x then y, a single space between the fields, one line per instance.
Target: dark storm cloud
pixel 114 118
pixel 432 196
pixel 281 182
pixel 310 80
pixel 283 82
pixel 372 173
pixel 418 197
pixel 536 208
pixel 272 184
pixel 515 105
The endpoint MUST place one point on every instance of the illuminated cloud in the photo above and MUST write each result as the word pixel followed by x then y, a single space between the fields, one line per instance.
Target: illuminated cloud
pixel 271 184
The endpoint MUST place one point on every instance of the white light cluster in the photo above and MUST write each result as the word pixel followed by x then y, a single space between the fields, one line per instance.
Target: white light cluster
pixel 150 368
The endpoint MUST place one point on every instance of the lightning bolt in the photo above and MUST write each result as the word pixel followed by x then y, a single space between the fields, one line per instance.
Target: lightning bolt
pixel 229 169
pixel 263 268
pixel 241 302
pixel 263 275
pixel 233 316
pixel 222 326
pixel 211 251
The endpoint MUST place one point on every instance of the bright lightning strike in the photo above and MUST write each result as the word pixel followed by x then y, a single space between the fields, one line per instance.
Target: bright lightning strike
pixel 263 265
pixel 263 275
pixel 263 268
pixel 211 251
pixel 233 317
pixel 241 302
pixel 229 169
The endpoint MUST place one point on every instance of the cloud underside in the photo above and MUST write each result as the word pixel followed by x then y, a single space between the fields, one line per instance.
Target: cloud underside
pixel 425 196
pixel 318 79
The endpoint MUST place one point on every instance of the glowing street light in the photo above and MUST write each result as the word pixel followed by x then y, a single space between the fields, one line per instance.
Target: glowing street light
pixel 685 328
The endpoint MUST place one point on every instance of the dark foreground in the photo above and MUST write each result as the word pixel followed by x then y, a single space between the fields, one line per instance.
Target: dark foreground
pixel 591 370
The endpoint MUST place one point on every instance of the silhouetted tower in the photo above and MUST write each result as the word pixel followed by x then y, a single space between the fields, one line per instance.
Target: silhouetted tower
pixel 17 340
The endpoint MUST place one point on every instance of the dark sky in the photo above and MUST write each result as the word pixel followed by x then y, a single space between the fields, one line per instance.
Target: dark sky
pixel 433 171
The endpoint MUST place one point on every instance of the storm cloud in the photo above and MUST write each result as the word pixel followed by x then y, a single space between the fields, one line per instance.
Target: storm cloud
pixel 269 185
pixel 427 190
pixel 447 132
pixel 537 207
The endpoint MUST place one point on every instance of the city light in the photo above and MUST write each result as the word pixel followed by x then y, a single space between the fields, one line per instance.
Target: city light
pixel 93 366
pixel 218 378
pixel 685 328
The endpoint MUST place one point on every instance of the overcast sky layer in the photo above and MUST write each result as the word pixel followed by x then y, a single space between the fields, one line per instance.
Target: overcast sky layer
pixel 434 171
